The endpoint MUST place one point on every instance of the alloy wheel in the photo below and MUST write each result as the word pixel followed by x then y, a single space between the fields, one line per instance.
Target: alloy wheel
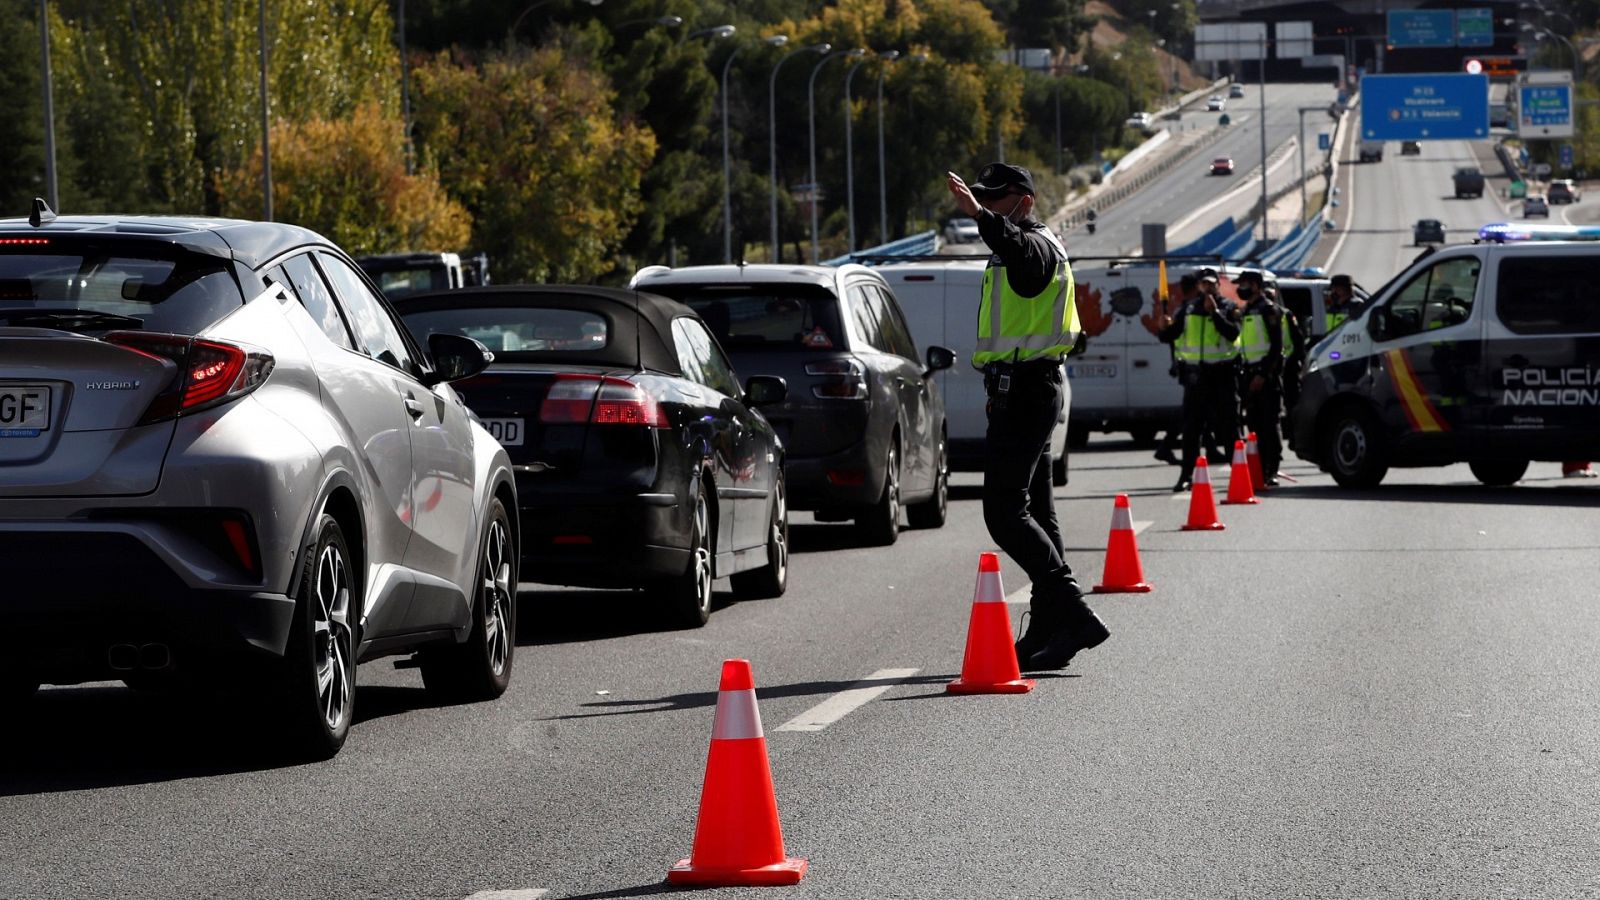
pixel 333 647
pixel 497 596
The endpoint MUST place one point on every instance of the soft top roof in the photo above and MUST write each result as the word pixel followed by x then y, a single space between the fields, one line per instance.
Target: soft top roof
pixel 640 324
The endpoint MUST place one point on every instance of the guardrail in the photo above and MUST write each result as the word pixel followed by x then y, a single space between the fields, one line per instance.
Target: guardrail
pixel 924 243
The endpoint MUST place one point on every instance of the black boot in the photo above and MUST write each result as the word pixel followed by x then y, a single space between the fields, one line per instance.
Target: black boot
pixel 1082 630
pixel 1042 623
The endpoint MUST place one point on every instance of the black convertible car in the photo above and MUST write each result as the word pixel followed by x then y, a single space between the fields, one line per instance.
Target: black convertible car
pixel 641 459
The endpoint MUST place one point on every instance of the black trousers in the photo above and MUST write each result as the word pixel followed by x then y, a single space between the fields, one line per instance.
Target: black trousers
pixel 1210 401
pixel 1263 411
pixel 1018 506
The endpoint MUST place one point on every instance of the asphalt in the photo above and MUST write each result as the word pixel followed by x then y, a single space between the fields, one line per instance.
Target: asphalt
pixel 1378 693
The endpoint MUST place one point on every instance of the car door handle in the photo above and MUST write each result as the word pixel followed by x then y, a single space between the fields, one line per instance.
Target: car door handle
pixel 414 408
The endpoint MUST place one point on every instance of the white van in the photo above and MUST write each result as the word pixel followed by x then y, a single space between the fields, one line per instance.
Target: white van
pixel 940 300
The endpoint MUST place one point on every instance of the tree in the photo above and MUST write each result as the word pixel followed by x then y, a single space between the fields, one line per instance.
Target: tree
pixel 22 164
pixel 346 179
pixel 528 140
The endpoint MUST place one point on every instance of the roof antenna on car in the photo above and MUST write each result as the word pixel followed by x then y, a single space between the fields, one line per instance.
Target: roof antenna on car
pixel 42 214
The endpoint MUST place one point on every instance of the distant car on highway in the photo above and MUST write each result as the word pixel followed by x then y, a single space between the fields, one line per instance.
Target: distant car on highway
pixel 1372 151
pixel 1468 182
pixel 641 459
pixel 1427 231
pixel 1535 205
pixel 233 470
pixel 1563 191
pixel 1222 165
pixel 1142 121
pixel 1410 148
pixel 1235 91
pixel 961 230
pixel 1215 103
pixel 863 426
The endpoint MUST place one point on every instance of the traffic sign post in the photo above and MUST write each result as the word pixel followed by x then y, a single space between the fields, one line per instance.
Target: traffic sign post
pixel 1434 107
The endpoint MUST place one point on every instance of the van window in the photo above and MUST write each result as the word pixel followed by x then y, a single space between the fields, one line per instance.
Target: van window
pixel 1549 295
pixel 1436 297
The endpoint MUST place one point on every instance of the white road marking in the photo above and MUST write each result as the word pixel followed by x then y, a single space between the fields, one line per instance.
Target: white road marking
pixel 522 894
pixel 1022 595
pixel 846 701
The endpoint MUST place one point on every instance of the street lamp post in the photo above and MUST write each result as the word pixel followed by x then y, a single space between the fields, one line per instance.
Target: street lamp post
pixel 517 22
pixel 811 119
pixel 777 40
pixel 49 107
pixel 850 158
pixel 1302 113
pixel 772 139
pixel 883 181
pixel 1539 32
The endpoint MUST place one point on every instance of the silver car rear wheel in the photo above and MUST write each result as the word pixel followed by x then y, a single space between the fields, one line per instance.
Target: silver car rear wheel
pixel 320 661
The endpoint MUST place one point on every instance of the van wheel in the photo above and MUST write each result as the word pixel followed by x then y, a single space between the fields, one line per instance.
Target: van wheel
pixel 1353 450
pixel 880 526
pixel 772 579
pixel 931 513
pixel 1499 472
pixel 1058 470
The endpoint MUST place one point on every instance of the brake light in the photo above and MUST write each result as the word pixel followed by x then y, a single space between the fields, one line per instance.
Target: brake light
pixel 210 373
pixel 23 242
pixel 845 379
pixel 600 400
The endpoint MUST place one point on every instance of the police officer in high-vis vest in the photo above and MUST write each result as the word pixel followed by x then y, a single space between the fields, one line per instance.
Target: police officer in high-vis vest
pixel 1027 321
pixel 1263 345
pixel 1205 338
pixel 1340 302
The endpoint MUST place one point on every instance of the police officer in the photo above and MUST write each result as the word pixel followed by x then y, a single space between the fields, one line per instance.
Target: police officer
pixel 1340 302
pixel 1262 348
pixel 1027 321
pixel 1205 334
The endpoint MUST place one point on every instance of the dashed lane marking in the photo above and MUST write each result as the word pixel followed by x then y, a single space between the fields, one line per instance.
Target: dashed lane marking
pixel 521 894
pixel 847 701
pixel 1020 596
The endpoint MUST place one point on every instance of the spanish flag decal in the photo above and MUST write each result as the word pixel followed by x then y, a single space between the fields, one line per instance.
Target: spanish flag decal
pixel 1414 400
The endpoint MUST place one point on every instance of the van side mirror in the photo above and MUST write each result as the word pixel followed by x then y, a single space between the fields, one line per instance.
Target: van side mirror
pixel 455 356
pixel 765 390
pixel 1378 323
pixel 939 359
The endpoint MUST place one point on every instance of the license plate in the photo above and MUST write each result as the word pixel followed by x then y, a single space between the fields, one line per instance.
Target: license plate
pixel 1082 371
pixel 507 431
pixel 24 410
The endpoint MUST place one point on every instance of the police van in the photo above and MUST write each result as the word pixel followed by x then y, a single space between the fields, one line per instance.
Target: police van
pixel 940 299
pixel 1487 354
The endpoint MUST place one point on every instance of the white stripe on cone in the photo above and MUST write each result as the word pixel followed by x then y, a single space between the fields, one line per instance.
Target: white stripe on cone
pixel 1121 518
pixel 1238 455
pixel 1202 475
pixel 737 716
pixel 989 589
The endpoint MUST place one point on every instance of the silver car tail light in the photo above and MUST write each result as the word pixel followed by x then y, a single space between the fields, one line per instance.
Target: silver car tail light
pixel 846 379
pixel 209 374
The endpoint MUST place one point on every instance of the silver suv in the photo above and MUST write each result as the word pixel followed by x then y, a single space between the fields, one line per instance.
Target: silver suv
pixel 223 462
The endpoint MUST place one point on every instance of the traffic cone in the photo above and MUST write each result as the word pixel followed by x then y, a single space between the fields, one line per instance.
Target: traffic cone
pixel 1258 481
pixel 737 841
pixel 1123 573
pixel 1239 479
pixel 1202 502
pixel 990 665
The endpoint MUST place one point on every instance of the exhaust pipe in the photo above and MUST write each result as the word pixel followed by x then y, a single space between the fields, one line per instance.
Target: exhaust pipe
pixel 154 656
pixel 122 657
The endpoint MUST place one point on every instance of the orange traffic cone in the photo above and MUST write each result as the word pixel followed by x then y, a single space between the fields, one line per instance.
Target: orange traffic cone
pixel 737 841
pixel 1123 573
pixel 1239 479
pixel 1258 481
pixel 990 664
pixel 1202 503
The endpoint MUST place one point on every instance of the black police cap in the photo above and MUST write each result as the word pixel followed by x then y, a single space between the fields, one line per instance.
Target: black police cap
pixel 1000 178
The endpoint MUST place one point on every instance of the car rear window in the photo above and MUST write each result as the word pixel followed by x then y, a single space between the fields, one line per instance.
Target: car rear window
pixel 516 333
pixel 776 318
pixel 180 294
pixel 1549 294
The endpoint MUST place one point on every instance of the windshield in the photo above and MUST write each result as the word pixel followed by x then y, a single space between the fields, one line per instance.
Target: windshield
pixel 397 283
pixel 99 290
pixel 516 333
pixel 769 317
